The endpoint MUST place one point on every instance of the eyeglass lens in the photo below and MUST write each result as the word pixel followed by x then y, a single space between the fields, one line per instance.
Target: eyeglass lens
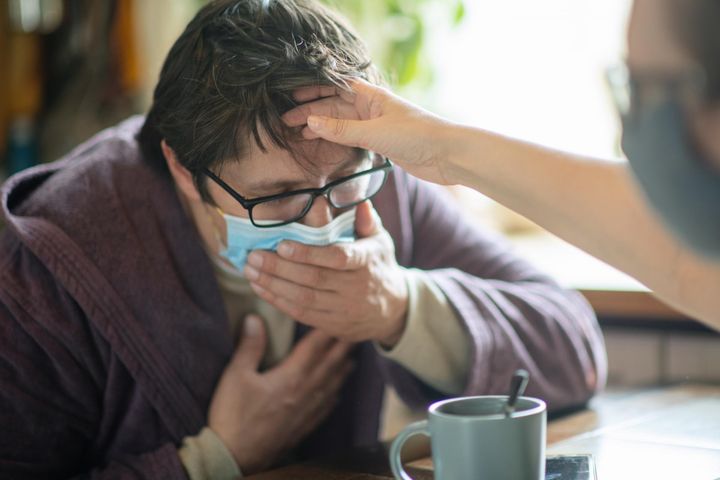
pixel 343 195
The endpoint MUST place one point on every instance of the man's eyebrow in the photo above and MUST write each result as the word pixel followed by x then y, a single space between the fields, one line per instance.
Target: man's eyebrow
pixel 268 186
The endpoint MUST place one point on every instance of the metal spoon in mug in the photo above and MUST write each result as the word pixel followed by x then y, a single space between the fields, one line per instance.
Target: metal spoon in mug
pixel 517 388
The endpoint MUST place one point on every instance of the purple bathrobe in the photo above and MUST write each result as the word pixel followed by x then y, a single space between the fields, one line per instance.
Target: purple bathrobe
pixel 113 332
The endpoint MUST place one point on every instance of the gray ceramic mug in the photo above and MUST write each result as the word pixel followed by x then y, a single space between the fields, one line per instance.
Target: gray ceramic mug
pixel 473 439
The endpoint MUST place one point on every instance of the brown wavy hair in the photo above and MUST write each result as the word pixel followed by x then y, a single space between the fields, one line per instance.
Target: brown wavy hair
pixel 231 74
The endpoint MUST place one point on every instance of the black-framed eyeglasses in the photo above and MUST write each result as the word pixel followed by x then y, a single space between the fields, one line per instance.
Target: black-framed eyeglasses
pixel 632 89
pixel 288 207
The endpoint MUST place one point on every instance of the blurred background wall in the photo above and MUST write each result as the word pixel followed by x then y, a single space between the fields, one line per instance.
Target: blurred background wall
pixel 72 67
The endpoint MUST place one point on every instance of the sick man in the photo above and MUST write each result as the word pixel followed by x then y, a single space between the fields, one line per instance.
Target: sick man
pixel 201 293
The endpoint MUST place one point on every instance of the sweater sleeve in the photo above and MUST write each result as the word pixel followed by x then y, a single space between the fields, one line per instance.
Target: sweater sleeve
pixel 514 315
pixel 205 457
pixel 434 345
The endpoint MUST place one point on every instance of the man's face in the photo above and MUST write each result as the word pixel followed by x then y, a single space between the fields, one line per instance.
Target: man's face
pixel 312 164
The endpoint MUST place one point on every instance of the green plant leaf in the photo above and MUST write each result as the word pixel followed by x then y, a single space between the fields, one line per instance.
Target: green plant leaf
pixel 459 14
pixel 400 53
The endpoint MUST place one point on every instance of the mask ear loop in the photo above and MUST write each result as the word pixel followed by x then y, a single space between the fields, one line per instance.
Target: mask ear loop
pixel 216 230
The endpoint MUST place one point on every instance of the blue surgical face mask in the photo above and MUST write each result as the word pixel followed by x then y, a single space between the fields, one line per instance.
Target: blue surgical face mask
pixel 682 185
pixel 243 236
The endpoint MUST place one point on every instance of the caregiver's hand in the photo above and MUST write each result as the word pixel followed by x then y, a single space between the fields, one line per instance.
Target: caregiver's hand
pixel 372 118
pixel 352 291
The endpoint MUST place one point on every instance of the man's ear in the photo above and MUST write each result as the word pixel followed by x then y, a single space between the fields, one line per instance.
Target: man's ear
pixel 183 178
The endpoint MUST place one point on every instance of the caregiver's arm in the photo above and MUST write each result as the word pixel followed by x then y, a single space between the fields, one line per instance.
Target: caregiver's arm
pixel 591 203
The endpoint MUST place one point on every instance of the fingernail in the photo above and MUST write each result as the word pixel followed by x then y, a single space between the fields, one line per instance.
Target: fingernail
pixel 286 249
pixel 252 326
pixel 255 259
pixel 314 122
pixel 251 273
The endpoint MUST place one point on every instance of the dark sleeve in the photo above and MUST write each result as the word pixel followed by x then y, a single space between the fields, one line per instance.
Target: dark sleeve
pixel 515 316
pixel 52 378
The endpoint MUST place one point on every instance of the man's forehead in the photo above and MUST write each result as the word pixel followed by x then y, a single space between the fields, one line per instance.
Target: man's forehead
pixel 321 152
pixel 307 160
pixel 307 154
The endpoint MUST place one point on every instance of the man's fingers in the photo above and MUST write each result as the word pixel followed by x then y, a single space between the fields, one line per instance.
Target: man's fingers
pixel 304 355
pixel 331 384
pixel 250 350
pixel 318 413
pixel 336 381
pixel 306 315
pixel 339 256
pixel 367 223
pixel 335 358
pixel 324 398
pixel 302 296
pixel 264 262
pixel 339 353
pixel 327 320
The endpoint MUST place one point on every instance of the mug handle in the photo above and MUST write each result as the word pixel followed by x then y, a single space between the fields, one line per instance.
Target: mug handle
pixel 397 444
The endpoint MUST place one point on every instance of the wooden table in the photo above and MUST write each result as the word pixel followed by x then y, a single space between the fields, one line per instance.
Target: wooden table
pixel 665 433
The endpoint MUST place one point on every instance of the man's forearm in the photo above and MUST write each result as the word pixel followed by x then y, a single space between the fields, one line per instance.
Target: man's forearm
pixel 590 203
